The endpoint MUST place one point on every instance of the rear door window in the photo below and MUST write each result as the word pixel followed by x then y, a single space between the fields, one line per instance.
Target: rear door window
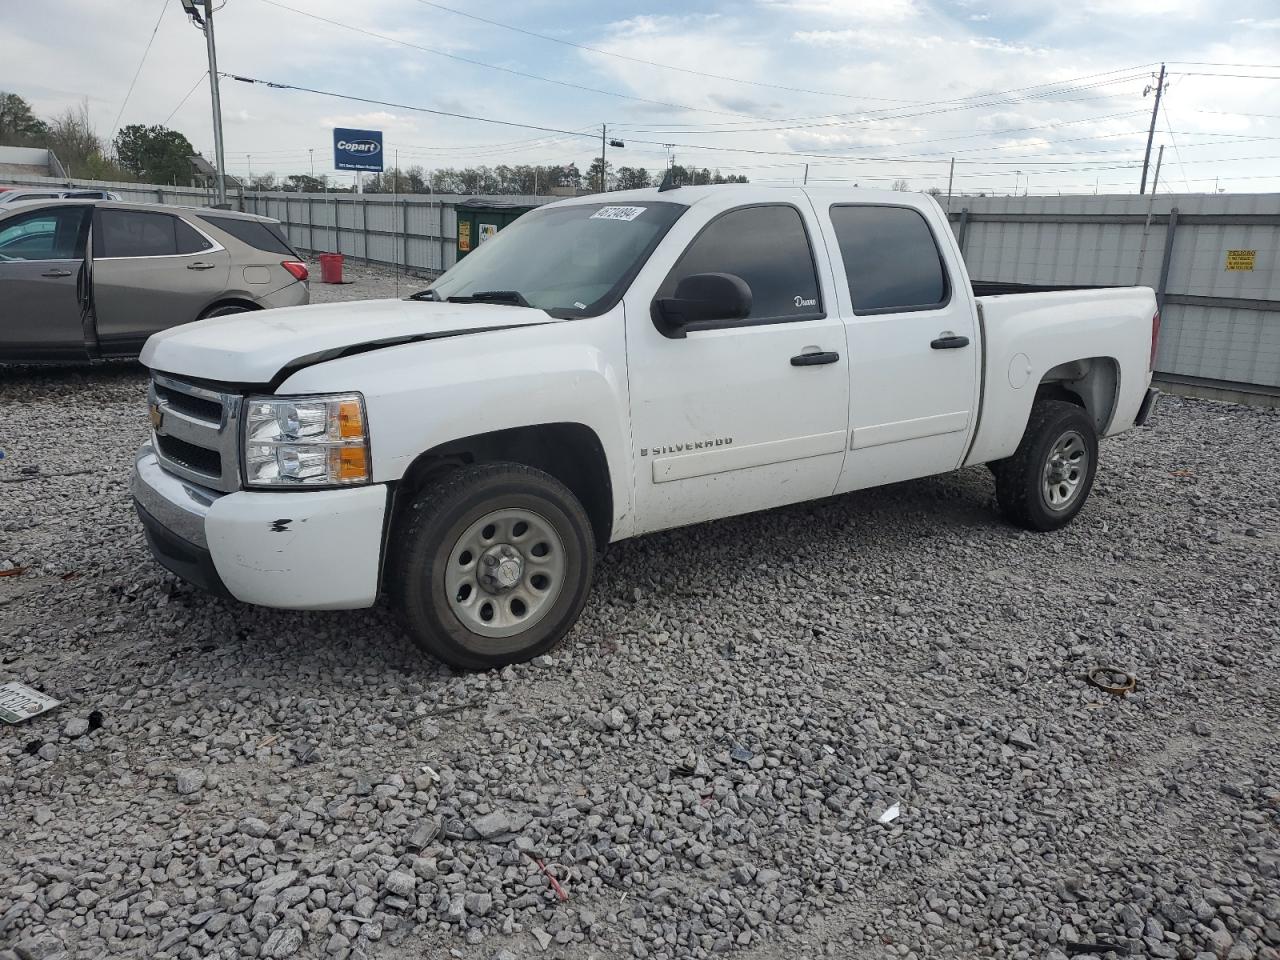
pixel 768 247
pixel 134 233
pixel 891 260
pixel 261 236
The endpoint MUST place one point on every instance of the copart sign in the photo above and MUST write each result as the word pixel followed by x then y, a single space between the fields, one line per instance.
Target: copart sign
pixel 357 149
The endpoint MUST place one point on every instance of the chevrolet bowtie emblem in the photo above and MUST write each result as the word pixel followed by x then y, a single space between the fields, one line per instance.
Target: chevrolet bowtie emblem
pixel 157 415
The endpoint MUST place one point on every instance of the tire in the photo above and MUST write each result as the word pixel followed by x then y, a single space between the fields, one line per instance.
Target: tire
pixel 1048 479
pixel 532 570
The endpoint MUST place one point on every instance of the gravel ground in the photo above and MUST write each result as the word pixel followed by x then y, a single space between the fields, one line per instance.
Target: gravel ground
pixel 701 769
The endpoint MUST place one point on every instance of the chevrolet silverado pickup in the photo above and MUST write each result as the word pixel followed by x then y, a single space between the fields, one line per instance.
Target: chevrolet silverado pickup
pixel 609 366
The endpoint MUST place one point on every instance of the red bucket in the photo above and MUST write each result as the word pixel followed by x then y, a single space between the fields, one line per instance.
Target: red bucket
pixel 331 268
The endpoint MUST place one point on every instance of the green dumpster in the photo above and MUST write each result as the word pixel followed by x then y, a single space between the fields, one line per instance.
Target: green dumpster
pixel 478 220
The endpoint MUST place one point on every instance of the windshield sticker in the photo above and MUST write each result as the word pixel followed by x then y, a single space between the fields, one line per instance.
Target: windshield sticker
pixel 617 213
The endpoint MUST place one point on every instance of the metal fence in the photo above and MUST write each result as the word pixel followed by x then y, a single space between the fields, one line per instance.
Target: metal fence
pixel 1213 260
pixel 418 232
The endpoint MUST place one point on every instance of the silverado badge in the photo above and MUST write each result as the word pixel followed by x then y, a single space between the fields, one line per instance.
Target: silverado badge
pixel 687 446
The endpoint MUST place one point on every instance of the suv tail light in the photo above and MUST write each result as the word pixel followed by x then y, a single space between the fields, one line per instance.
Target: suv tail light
pixel 299 269
pixel 1155 340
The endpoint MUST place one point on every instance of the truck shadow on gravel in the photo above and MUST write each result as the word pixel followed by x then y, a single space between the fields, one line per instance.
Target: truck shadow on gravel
pixel 850 536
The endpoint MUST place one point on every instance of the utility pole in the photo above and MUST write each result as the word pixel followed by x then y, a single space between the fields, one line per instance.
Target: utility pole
pixel 806 174
pixel 602 180
pixel 950 180
pixel 1155 182
pixel 312 152
pixel 201 14
pixel 1151 131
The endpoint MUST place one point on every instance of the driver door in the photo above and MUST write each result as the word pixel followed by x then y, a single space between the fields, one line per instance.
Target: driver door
pixel 43 299
pixel 743 414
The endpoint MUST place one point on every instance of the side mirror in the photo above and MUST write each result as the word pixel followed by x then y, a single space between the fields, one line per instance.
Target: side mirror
pixel 701 298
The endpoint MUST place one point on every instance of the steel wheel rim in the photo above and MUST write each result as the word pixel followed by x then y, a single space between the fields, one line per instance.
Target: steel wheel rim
pixel 505 572
pixel 1064 471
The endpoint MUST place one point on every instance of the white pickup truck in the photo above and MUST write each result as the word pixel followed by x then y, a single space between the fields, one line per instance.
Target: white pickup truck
pixel 607 367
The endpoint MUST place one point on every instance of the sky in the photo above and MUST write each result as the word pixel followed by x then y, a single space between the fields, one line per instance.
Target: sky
pixel 1039 96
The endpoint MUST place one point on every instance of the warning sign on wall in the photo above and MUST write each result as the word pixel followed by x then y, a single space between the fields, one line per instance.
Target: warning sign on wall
pixel 1241 259
pixel 464 235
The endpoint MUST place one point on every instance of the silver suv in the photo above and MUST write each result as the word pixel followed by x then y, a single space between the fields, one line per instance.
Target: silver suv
pixel 83 279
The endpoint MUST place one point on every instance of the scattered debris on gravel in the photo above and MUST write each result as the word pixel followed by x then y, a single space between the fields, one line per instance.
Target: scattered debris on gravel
pixel 860 728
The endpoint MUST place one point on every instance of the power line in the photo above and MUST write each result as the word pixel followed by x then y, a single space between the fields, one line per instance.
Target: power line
pixel 150 40
pixel 1173 140
pixel 575 133
pixel 700 73
pixel 493 66
pixel 185 98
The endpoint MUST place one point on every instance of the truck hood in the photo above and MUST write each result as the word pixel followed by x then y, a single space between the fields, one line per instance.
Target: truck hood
pixel 261 347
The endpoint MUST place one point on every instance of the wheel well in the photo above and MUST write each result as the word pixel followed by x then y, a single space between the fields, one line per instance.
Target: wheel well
pixel 229 302
pixel 1092 383
pixel 570 452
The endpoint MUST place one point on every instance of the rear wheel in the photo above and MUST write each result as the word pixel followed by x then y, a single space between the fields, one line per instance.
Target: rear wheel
pixel 491 566
pixel 1048 479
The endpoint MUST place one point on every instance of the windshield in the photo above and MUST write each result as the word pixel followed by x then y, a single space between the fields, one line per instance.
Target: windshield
pixel 572 261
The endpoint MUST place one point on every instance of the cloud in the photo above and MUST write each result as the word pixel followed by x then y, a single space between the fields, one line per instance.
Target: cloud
pixel 877 11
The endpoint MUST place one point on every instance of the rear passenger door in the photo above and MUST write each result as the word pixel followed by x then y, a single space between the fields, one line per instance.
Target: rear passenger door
pixel 42 278
pixel 151 271
pixel 913 351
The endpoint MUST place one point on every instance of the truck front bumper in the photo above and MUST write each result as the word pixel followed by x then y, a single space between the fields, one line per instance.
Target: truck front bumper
pixel 303 550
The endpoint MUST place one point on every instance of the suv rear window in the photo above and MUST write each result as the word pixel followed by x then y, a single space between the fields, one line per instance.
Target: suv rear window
pixel 259 235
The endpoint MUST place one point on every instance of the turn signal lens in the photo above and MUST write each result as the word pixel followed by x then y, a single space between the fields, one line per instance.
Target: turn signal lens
pixel 349 464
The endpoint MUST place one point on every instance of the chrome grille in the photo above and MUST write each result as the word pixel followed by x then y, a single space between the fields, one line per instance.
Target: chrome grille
pixel 196 432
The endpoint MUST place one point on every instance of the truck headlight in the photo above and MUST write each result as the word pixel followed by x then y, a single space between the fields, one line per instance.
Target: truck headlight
pixel 306 441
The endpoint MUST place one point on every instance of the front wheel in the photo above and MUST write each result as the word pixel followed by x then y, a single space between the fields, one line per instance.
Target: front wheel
pixel 492 565
pixel 1047 480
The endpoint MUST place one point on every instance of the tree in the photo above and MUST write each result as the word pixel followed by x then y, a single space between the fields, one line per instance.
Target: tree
pixel 633 178
pixel 262 182
pixel 934 191
pixel 19 126
pixel 592 177
pixel 901 185
pixel 77 145
pixel 303 183
pixel 155 153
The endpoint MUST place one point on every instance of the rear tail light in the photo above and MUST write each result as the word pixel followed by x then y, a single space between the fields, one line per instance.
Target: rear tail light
pixel 1155 340
pixel 296 267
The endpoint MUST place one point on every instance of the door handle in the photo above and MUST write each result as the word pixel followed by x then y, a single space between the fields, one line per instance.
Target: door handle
pixel 200 265
pixel 56 273
pixel 814 359
pixel 950 341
